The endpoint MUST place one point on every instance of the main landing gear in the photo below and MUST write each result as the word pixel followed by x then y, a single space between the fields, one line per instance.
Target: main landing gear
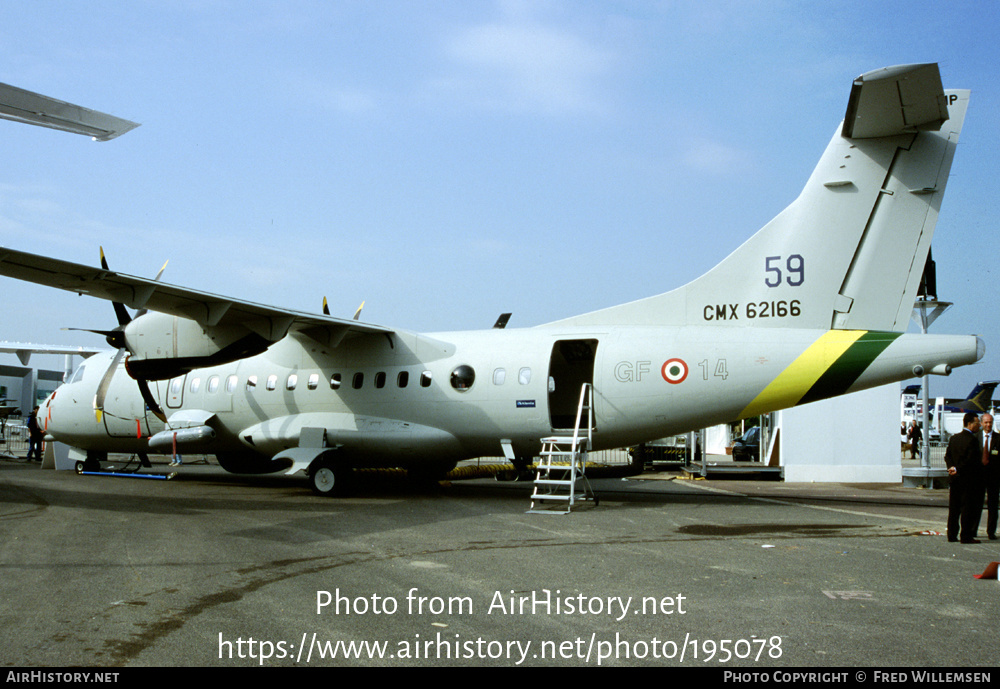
pixel 329 477
pixel 522 470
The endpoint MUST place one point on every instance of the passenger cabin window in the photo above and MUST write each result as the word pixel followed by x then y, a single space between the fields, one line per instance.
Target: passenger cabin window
pixel 313 381
pixel 195 384
pixel 231 384
pixel 272 382
pixel 292 381
pixel 524 376
pixel 335 381
pixel 380 380
pixel 251 382
pixel 425 379
pixel 359 380
pixel 462 378
pixel 176 385
pixel 403 379
pixel 213 384
pixel 499 376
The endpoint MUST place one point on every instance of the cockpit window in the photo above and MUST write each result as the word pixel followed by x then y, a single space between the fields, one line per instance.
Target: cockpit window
pixel 77 374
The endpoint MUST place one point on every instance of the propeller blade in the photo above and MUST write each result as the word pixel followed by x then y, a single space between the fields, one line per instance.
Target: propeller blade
pixel 115 338
pixel 140 312
pixel 147 397
pixel 102 389
pixel 120 311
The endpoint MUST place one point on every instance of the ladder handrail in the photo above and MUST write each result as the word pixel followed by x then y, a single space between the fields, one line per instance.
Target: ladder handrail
pixel 586 393
pixel 544 480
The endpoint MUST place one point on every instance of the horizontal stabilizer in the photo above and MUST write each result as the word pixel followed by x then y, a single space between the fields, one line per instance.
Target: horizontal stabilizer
pixel 896 100
pixel 33 108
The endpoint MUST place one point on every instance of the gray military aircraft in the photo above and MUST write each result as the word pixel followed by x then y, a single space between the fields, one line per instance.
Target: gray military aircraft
pixel 811 306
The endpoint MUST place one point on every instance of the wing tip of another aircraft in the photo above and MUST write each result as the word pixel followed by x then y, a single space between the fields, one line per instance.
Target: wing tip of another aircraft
pixel 28 107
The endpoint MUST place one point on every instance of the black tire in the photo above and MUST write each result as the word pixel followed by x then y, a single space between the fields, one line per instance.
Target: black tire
pixel 93 460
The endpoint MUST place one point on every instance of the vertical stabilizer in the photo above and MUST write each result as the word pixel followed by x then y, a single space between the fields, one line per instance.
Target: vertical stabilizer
pixel 849 252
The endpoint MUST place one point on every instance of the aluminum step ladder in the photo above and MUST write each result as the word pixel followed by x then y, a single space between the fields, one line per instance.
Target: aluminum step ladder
pixel 561 481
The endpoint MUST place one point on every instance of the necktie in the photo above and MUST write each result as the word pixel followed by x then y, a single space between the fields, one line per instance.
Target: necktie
pixel 986 450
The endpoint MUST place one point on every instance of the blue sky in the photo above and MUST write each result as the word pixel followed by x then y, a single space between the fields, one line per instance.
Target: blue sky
pixel 448 161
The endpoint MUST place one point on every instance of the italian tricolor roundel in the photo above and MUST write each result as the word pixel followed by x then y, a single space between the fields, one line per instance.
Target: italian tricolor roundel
pixel 674 371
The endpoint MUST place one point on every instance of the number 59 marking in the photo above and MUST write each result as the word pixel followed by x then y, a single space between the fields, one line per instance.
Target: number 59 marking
pixel 794 275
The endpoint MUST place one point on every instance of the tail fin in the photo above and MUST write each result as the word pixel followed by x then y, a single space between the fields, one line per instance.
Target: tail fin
pixel 980 399
pixel 850 250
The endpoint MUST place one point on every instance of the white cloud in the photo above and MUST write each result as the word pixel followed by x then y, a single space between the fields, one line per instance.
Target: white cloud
pixel 330 97
pixel 713 157
pixel 519 64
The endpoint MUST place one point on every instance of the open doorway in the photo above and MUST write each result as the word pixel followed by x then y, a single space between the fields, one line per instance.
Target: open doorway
pixel 571 365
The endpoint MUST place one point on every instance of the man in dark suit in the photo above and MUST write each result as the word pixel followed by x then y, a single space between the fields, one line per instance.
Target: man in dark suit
pixel 992 472
pixel 964 458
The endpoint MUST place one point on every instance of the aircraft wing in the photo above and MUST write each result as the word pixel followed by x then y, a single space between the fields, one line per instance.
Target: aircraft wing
pixel 33 108
pixel 205 308
pixel 24 350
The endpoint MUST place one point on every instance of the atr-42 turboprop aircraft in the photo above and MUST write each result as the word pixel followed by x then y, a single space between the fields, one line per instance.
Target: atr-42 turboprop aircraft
pixel 810 307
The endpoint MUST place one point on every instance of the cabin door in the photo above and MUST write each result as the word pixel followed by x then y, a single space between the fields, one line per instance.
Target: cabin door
pixel 570 366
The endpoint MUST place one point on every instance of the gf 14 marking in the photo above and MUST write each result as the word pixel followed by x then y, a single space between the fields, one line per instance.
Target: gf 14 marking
pixel 752 309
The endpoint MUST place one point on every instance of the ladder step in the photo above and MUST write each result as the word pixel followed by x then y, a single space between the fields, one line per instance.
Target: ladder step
pixel 562 462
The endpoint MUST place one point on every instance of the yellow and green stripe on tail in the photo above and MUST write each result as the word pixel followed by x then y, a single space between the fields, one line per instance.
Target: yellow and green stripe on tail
pixel 828 367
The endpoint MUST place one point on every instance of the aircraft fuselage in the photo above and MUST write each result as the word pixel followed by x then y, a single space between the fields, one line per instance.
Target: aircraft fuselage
pixel 404 399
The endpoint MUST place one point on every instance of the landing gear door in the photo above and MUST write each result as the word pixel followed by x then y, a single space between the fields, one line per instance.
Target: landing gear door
pixel 570 366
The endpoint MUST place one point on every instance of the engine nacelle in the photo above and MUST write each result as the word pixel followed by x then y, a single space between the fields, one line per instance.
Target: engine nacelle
pixel 162 346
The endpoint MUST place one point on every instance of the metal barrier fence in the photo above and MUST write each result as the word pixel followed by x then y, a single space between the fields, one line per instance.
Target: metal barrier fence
pixel 617 457
pixel 15 438
pixel 937 450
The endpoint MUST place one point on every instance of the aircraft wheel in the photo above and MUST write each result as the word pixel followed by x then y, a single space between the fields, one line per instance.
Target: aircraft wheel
pixel 93 460
pixel 327 477
pixel 79 467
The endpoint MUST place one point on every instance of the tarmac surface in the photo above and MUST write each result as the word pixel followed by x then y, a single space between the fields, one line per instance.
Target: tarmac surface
pixel 214 569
